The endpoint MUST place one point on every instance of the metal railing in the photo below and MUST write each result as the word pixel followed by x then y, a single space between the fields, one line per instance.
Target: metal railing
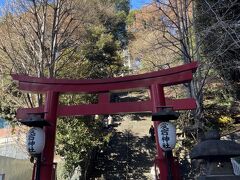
pixel 236 166
pixel 2 176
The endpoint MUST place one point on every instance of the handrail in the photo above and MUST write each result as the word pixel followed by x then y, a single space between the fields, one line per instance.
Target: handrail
pixel 236 166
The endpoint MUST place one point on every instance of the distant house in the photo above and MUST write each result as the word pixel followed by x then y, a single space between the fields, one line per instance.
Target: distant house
pixel 13 153
pixel 12 142
pixel 3 123
pixel 3 131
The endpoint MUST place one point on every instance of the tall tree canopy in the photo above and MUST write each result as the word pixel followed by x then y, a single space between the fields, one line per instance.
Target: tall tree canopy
pixel 218 25
pixel 63 39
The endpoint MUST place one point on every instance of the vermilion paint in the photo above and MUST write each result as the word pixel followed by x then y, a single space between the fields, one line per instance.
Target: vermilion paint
pixel 154 81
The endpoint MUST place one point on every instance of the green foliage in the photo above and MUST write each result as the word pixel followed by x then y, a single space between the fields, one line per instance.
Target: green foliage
pixel 90 49
pixel 123 5
pixel 218 112
pixel 218 31
pixel 101 54
pixel 79 137
pixel 7 112
pixel 76 139
pixel 76 99
pixel 9 97
pixel 131 17
pixel 77 46
pixel 99 57
pixel 117 24
pixel 225 120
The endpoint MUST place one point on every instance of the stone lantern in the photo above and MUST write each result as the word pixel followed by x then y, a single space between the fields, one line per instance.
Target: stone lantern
pixel 217 155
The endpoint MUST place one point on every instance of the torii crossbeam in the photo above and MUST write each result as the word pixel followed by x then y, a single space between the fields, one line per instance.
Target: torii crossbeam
pixel 154 81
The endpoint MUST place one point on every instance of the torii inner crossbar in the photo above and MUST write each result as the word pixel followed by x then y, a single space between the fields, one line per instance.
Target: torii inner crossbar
pixel 103 87
pixel 154 81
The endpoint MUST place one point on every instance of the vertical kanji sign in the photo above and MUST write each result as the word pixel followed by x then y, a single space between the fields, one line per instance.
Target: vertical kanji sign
pixel 154 81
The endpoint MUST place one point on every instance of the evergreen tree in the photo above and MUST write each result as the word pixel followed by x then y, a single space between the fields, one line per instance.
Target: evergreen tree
pixel 65 39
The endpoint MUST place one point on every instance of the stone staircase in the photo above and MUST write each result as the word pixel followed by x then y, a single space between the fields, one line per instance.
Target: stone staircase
pixel 130 153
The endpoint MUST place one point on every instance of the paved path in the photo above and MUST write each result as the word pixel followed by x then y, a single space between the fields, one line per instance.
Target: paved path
pixel 131 152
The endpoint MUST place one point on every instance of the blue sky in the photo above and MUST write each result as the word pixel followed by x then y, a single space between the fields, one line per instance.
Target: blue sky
pixel 135 4
pixel 2 2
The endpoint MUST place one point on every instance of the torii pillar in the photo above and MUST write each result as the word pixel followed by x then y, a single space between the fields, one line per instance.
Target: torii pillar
pixel 154 81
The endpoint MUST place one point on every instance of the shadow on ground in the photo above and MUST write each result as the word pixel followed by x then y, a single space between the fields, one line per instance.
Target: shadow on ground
pixel 132 117
pixel 126 157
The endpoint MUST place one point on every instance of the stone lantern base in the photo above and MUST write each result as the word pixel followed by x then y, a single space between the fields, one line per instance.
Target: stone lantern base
pixel 220 167
pixel 218 177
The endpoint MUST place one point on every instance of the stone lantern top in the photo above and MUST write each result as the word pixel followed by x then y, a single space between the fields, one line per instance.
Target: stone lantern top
pixel 213 148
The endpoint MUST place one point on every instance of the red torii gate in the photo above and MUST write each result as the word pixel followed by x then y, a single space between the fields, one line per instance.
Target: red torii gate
pixel 154 81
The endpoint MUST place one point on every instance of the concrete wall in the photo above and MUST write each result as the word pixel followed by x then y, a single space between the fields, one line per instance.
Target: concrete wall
pixel 15 169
